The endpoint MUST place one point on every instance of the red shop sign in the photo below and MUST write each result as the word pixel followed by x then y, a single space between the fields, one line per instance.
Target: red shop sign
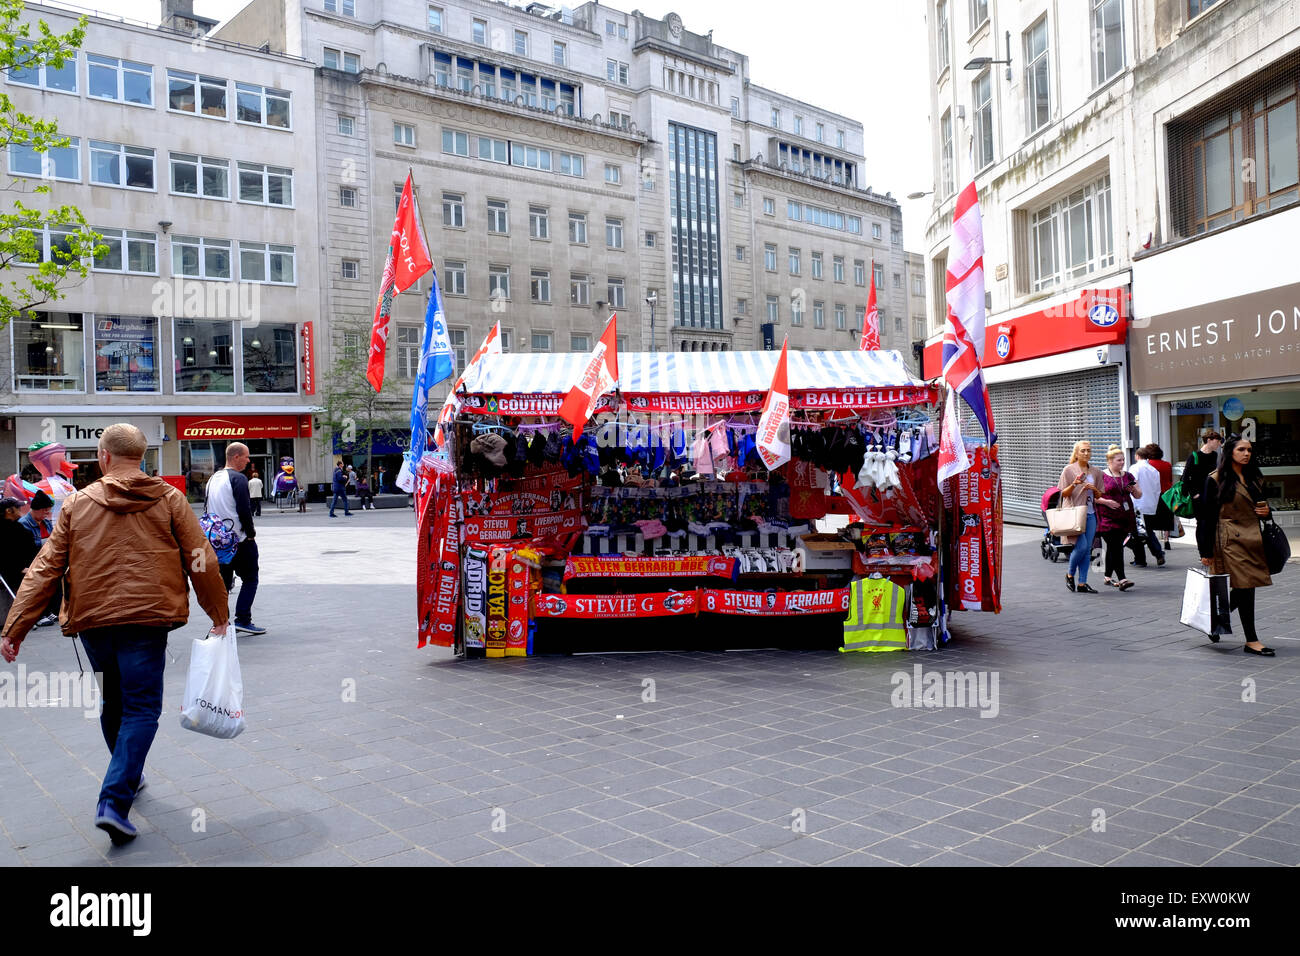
pixel 237 427
pixel 308 358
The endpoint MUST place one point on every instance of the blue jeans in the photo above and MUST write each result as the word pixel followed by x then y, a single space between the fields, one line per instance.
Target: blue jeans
pixel 1081 556
pixel 337 495
pixel 245 565
pixel 130 659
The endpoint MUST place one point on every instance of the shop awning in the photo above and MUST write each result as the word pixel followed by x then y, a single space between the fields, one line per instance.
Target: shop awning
pixel 692 372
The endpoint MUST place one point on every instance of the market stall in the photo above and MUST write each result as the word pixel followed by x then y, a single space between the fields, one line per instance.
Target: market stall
pixel 662 508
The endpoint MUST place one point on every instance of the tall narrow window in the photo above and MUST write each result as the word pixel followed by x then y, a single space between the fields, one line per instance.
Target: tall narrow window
pixel 941 33
pixel 1037 85
pixel 982 96
pixel 1107 40
pixel 945 155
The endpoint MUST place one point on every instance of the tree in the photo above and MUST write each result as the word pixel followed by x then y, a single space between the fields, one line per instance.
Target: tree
pixel 22 230
pixel 349 402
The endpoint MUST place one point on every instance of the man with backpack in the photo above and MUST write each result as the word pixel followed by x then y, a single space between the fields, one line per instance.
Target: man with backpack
pixel 227 499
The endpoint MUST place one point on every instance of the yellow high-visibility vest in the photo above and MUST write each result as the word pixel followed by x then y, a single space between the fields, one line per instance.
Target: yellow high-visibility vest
pixel 877 616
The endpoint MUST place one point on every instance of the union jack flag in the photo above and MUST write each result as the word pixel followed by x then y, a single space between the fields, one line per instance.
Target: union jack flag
pixel 963 337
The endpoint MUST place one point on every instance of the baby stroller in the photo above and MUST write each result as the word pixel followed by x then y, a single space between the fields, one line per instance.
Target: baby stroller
pixel 1051 546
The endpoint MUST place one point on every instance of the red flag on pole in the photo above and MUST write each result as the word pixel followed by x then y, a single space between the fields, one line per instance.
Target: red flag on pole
pixel 871 321
pixel 599 376
pixel 408 259
pixel 774 423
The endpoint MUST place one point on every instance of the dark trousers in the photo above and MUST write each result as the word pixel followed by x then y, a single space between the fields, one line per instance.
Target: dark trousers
pixel 340 493
pixel 257 507
pixel 1242 600
pixel 1114 552
pixel 129 661
pixel 367 500
pixel 1140 543
pixel 245 565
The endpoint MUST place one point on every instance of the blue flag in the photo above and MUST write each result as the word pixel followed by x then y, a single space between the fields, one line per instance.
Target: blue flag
pixel 437 364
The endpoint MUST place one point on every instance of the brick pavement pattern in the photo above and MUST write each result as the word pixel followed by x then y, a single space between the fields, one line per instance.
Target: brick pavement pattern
pixel 1107 706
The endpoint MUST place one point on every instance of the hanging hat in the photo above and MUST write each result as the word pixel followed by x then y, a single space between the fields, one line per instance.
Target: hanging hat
pixel 492 447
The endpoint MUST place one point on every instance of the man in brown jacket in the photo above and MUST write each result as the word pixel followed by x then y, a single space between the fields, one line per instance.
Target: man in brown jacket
pixel 123 548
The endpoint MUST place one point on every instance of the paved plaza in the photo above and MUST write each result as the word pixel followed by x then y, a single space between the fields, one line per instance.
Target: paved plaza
pixel 1120 738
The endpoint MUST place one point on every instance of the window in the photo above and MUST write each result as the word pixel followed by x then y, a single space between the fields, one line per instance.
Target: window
pixel 776 118
pixel 819 314
pixel 735 151
pixel 616 72
pixel 945 155
pixel 793 210
pixel 615 289
pixel 609 27
pixel 769 256
pixel 821 132
pixel 859 272
pixel 60 78
pixel 200 175
pixel 839 139
pixel 839 315
pixel 121 80
pixel 859 318
pixel 479 32
pixel 521 43
pixel 982 96
pixel 769 206
pixel 337 60
pixel 198 258
pixel 738 200
pixel 649 240
pixel 408 351
pixel 498 216
pixel 455 142
pixel 816 265
pixel 454 279
pixel 1196 7
pixel 113 164
pixel 578 227
pixel 898 281
pixel 261 105
pixel 205 355
pixel 1038 108
pixel 57 162
pixel 742 306
pixel 579 343
pixel 579 289
pixel 559 53
pixel 735 107
pixel 918 286
pixel 539 285
pixel 613 232
pixel 1107 40
pixel 126 352
pixel 499 282
pixel 530 157
pixel 453 210
pixel 878 276
pixel 622 30
pixel 347 125
pixel 794 262
pixel 268 185
pixel 773 309
pixel 346 7
pixel 941 33
pixel 896 235
pixel 1071 237
pixel 875 230
pixel 131 252
pixel 350 269
pixel 796 308
pixel 195 93
pixel 434 20
pixel 260 262
pixel 571 164
pixel 979 12
pixel 493 150
pixel 506 338
pixel 613 174
pixel 539 222
pixel 798 125
pixel 541 341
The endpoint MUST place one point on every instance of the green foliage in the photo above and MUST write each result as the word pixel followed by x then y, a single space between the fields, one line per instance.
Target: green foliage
pixel 22 228
pixel 351 407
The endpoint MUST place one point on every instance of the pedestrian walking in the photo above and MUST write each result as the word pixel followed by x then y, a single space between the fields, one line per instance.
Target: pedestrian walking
pixel 1228 534
pixel 1148 480
pixel 1117 521
pixel 367 496
pixel 255 493
pixel 126 544
pixel 227 497
pixel 1197 468
pixel 1080 482
pixel 380 480
pixel 340 484
pixel 17 550
pixel 1156 457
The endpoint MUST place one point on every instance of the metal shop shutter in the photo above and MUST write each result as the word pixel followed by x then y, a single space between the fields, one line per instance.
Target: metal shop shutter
pixel 1038 422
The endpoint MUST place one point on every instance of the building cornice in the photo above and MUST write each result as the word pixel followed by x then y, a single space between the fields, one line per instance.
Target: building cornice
pixel 812 187
pixel 654 44
pixel 502 173
pixel 791 101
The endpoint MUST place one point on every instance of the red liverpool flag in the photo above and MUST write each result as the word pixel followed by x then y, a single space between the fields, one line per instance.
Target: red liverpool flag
pixel 408 259
pixel 871 321
pixel 599 376
pixel 774 423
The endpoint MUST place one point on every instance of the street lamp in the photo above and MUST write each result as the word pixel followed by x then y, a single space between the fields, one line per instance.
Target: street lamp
pixel 920 195
pixel 651 298
pixel 980 62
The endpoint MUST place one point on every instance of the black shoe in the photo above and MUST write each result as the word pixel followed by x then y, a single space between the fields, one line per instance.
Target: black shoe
pixel 1262 652
pixel 1086 589
pixel 1137 564
pixel 1160 562
pixel 1214 638
pixel 1069 581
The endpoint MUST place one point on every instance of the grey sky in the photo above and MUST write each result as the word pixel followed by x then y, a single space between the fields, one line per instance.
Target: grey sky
pixel 866 59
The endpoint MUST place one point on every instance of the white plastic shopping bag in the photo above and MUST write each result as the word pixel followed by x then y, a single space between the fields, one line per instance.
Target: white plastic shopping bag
pixel 214 690
pixel 1205 602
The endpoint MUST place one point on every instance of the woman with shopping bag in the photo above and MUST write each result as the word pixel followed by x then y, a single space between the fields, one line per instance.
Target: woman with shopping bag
pixel 1229 537
pixel 1117 520
pixel 1080 482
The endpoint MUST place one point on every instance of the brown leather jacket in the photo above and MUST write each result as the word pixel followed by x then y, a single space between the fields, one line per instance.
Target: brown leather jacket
pixel 123 548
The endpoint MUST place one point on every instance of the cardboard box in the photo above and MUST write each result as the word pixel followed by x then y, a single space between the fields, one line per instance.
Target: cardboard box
pixel 826 552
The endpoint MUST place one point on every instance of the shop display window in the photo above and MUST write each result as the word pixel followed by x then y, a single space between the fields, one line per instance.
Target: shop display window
pixel 271 357
pixel 126 353
pixel 204 355
pixel 49 352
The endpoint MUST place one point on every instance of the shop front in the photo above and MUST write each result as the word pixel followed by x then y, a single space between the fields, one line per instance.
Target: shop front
pixel 1224 354
pixel 269 438
pixel 79 434
pixel 373 449
pixel 1056 375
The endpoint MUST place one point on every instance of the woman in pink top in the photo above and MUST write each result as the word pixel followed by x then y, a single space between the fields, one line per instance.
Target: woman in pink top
pixel 1080 482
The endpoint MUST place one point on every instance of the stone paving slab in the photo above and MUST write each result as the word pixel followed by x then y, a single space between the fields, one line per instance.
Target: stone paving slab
pixel 1109 713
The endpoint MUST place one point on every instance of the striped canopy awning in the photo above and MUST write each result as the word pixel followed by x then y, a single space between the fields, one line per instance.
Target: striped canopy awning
pixel 691 372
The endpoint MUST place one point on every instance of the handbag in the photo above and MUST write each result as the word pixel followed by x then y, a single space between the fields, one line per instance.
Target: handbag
pixel 1179 500
pixel 1205 602
pixel 1068 520
pixel 1277 549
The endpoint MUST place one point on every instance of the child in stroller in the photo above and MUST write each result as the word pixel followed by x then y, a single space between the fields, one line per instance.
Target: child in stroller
pixel 1051 545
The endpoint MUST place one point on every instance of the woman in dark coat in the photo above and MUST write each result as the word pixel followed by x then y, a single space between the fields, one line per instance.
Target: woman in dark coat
pixel 1228 534
pixel 17 549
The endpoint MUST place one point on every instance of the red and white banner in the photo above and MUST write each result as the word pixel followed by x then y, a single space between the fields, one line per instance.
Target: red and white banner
pixel 475 588
pixel 408 259
pixel 521 502
pixel 865 398
pixel 774 603
pixel 491 344
pixel 438 557
pixel 536 403
pixel 498 567
pixel 556 479
pixel 871 322
pixel 704 403
pixel 519 580
pixel 522 529
pixel 774 423
pixel 694 566
pixel 953 459
pixel 599 376
pixel 616 606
